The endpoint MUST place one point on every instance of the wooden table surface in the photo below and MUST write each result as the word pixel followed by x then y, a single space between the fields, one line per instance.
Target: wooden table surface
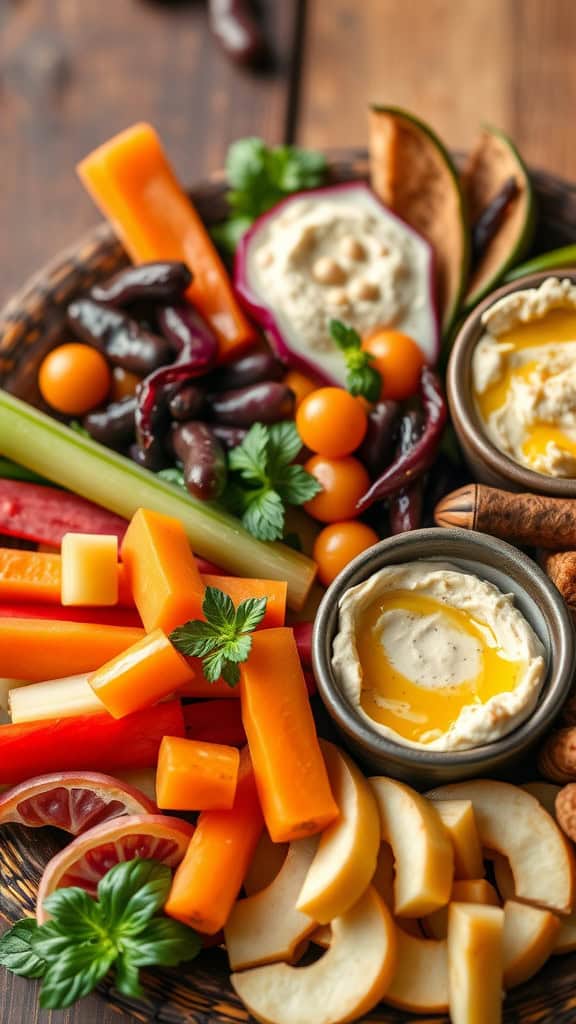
pixel 73 72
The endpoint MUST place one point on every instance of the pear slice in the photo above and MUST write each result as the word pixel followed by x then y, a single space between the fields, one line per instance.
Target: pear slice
pixel 420 984
pixel 476 890
pixel 266 863
pixel 475 963
pixel 514 823
pixel 267 927
pixel 383 878
pixel 345 860
pixel 458 819
pixel 348 981
pixel 422 849
pixel 565 940
pixel 530 935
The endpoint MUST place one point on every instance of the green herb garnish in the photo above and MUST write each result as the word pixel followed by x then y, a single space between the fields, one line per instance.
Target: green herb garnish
pixel 362 378
pixel 85 937
pixel 264 479
pixel 259 177
pixel 173 475
pixel 224 639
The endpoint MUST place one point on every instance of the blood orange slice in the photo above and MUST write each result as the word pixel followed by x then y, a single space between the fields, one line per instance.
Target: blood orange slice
pixel 89 857
pixel 72 801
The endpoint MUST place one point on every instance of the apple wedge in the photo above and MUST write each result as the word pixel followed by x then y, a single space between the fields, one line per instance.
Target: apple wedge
pixel 345 860
pixel 475 963
pixel 423 853
pixel 420 983
pixel 458 819
pixel 266 864
pixel 513 823
pixel 476 890
pixel 530 935
pixel 565 939
pixel 348 981
pixel 267 926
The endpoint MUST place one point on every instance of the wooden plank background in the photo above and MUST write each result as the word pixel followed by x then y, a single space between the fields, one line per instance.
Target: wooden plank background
pixel 73 72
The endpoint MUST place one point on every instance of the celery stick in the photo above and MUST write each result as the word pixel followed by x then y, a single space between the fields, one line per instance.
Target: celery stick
pixel 65 457
pixel 56 698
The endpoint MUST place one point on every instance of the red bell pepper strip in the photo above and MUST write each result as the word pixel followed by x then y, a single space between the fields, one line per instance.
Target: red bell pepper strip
pixel 303 638
pixel 101 616
pixel 215 721
pixel 45 514
pixel 87 743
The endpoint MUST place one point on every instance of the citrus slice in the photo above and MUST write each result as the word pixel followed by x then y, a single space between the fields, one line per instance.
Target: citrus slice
pixel 89 857
pixel 72 801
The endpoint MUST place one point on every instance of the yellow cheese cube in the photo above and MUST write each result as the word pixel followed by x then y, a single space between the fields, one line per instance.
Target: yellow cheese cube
pixel 89 569
pixel 459 821
pixel 475 963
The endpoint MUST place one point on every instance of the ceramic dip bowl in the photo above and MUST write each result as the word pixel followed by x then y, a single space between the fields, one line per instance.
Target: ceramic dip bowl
pixel 489 465
pixel 534 595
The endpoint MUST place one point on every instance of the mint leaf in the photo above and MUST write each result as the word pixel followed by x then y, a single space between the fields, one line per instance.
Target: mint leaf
pixel 131 893
pixel 213 665
pixel 250 457
pixel 17 953
pixel 344 336
pixel 284 444
pixel 250 613
pixel 195 639
pixel 173 475
pixel 74 974
pixel 218 609
pixel 230 673
pixel 296 486
pixel 362 378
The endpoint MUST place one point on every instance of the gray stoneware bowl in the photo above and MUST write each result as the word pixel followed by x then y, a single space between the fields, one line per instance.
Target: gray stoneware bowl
pixel 488 464
pixel 535 596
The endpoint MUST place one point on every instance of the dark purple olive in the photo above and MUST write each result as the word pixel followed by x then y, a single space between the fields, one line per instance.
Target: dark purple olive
pixel 234 25
pixel 119 337
pixel 153 282
pixel 113 426
pixel 405 508
pixel 257 365
pixel 187 403
pixel 188 333
pixel 154 457
pixel 267 402
pixel 230 437
pixel 202 457
pixel 377 447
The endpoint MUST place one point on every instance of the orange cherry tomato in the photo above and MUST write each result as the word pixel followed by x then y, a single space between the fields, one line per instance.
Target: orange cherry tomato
pixel 338 544
pixel 399 361
pixel 344 481
pixel 332 422
pixel 74 379
pixel 300 384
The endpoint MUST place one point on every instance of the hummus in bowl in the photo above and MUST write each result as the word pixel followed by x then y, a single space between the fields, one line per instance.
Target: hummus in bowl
pixel 436 658
pixel 524 377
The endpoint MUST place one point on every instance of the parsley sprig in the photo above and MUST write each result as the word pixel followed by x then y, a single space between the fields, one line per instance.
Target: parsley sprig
pixel 264 479
pixel 259 176
pixel 85 937
pixel 362 378
pixel 224 640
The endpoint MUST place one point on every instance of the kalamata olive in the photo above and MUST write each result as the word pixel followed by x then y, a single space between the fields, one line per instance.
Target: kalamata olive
pixel 377 447
pixel 230 437
pixel 163 281
pixel 202 457
pixel 257 365
pixel 268 402
pixel 187 403
pixel 153 458
pixel 120 338
pixel 114 425
pixel 240 35
pixel 189 334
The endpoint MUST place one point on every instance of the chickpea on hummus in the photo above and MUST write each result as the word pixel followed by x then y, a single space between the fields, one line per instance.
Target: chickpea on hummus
pixel 524 377
pixel 436 658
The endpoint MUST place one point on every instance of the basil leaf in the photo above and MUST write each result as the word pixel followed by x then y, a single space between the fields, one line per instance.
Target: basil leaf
pixel 74 974
pixel 75 914
pixel 17 953
pixel 49 941
pixel 127 978
pixel 165 943
pixel 131 893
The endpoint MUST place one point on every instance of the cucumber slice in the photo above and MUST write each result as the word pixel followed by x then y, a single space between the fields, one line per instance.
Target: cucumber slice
pixel 556 259
pixel 492 162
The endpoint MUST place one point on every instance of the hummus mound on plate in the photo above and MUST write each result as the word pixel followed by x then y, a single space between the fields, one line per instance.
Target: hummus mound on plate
pixel 524 377
pixel 436 658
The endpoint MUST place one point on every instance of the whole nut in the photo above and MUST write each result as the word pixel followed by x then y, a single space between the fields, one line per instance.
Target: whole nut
pixel 557 758
pixel 565 805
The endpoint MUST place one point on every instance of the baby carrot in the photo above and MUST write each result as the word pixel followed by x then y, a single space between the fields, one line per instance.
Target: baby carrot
pixel 196 776
pixel 131 180
pixel 207 882
pixel 140 676
pixel 36 576
pixel 240 589
pixel 289 768
pixel 161 570
pixel 38 649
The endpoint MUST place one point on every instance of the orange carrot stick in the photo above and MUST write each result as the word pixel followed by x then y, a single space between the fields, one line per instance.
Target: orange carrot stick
pixel 38 649
pixel 196 776
pixel 208 880
pixel 140 676
pixel 290 772
pixel 162 571
pixel 131 180
pixel 36 576
pixel 240 589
